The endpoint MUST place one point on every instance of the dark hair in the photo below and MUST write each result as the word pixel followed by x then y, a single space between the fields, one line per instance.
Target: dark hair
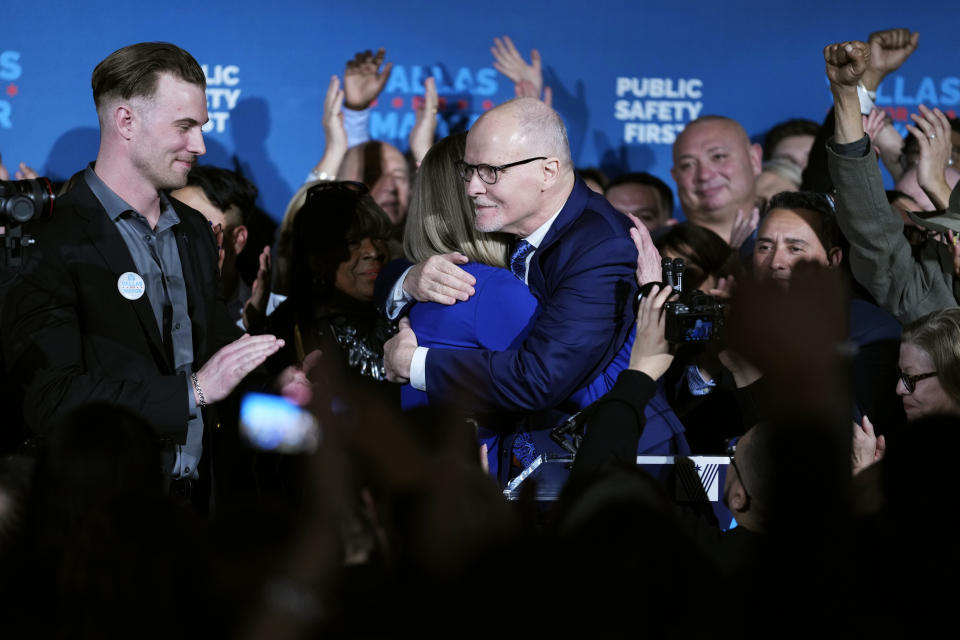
pixel 794 127
pixel 132 71
pixel 642 178
pixel 334 215
pixel 225 188
pixel 598 176
pixel 826 228
pixel 706 253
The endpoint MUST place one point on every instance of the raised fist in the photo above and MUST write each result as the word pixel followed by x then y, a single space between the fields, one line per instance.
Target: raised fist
pixel 846 62
pixel 890 48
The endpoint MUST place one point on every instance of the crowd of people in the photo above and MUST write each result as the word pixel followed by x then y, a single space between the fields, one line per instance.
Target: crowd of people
pixel 430 318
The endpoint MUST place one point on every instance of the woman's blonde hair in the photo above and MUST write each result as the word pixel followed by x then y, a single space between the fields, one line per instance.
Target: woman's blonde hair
pixel 441 217
pixel 938 334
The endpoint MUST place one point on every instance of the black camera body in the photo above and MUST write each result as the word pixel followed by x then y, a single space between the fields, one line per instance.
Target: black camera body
pixel 25 200
pixel 695 317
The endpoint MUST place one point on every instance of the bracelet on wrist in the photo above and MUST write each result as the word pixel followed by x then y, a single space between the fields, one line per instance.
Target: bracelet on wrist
pixel 201 401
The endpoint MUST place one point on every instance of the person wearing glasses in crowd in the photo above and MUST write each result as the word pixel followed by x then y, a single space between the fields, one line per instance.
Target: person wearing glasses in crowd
pixel 929 366
pixel 572 249
pixel 498 316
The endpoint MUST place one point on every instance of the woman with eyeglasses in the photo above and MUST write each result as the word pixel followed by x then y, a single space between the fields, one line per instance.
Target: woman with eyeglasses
pixel 929 365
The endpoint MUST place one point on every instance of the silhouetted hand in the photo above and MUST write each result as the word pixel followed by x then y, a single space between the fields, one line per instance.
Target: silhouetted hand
pixel 868 448
pixel 254 311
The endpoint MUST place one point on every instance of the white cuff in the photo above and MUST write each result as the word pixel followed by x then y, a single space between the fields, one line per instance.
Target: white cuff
pixel 418 369
pixel 866 100
pixel 398 297
pixel 355 123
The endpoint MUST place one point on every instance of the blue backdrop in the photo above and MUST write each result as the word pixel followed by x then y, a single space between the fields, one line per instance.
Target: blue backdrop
pixel 625 76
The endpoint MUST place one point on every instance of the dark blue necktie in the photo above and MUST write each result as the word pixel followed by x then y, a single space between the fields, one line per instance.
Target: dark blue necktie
pixel 518 260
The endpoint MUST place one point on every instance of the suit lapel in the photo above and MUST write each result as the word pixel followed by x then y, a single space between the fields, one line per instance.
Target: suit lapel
pixel 108 242
pixel 196 300
pixel 573 207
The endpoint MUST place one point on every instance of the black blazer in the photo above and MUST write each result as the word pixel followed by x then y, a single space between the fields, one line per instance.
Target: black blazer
pixel 70 338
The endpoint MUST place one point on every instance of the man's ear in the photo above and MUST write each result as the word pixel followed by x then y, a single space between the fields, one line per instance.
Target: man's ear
pixel 239 239
pixel 835 257
pixel 756 159
pixel 737 498
pixel 123 120
pixel 551 171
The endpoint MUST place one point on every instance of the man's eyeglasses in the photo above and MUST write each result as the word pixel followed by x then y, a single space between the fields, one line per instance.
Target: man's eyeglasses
pixel 488 172
pixel 910 382
pixel 731 451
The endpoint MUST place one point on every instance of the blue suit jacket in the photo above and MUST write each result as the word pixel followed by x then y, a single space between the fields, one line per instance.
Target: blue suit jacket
pixel 583 277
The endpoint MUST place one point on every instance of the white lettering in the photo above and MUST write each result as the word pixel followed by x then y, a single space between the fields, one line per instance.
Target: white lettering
pixel 5 111
pixel 662 110
pixel 215 98
pixel 217 122
pixel 222 75
pixel 660 87
pixel 10 68
pixel 651 133
pixel 383 125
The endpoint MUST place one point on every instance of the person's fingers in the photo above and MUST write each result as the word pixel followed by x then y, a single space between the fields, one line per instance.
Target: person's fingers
pixel 923 124
pixel 922 141
pixel 738 219
pixel 661 298
pixel 535 61
pixel 456 257
pixel 643 310
pixel 404 323
pixel 430 94
pixel 384 75
pixel 867 426
pixel 548 96
pixel 449 267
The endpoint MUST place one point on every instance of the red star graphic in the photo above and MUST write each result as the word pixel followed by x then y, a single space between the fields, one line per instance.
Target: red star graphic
pixel 12 90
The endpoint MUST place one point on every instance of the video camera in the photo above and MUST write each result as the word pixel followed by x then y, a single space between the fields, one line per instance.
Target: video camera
pixel 25 200
pixel 22 201
pixel 693 318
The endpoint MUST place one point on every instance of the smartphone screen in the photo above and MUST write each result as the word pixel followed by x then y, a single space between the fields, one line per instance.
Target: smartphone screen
pixel 273 423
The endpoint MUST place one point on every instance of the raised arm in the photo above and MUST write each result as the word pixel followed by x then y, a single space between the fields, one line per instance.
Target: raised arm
pixel 334 132
pixel 880 257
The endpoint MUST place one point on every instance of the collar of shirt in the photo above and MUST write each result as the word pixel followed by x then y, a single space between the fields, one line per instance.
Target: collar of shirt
pixel 116 206
pixel 537 236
